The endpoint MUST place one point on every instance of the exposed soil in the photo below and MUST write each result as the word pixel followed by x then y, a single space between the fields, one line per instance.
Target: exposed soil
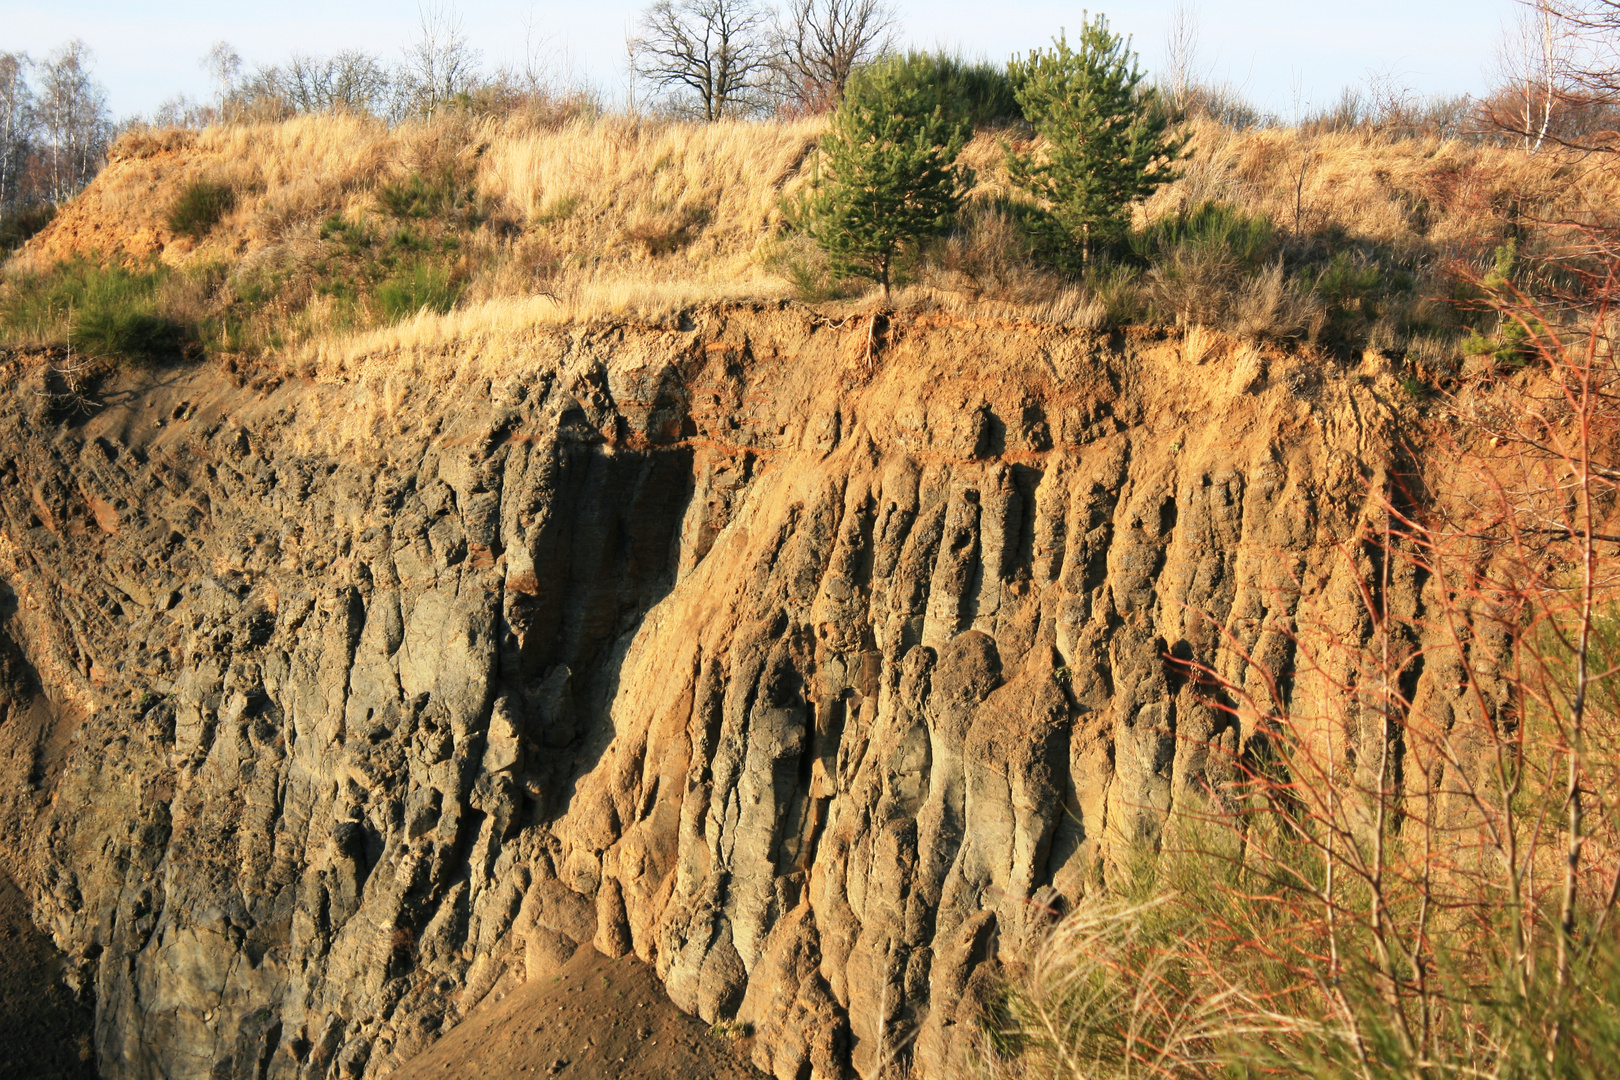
pixel 44 1033
pixel 593 1019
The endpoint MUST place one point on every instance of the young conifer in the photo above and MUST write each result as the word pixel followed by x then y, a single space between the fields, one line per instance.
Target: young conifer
pixel 889 178
pixel 1107 139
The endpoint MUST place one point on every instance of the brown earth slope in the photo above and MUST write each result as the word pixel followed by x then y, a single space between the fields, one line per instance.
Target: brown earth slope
pixel 595 1018
pixel 812 680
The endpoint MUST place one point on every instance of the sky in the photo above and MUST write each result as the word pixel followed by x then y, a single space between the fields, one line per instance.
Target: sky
pixel 1285 55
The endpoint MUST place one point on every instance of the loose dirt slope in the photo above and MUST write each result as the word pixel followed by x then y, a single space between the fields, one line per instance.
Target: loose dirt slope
pixel 593 1019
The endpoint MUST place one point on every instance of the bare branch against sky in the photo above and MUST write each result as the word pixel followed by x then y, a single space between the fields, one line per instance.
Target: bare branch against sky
pixel 147 53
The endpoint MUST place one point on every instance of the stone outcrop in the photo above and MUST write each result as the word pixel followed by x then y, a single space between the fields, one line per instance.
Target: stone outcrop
pixel 819 686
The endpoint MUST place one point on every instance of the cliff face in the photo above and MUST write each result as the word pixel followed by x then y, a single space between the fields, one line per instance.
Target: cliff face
pixel 816 682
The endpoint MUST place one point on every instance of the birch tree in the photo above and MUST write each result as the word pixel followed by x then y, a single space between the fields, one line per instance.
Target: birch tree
pixel 73 119
pixel 16 126
pixel 1532 66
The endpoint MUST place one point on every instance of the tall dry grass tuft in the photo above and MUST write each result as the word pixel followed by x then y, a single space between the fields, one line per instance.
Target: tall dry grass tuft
pixel 712 189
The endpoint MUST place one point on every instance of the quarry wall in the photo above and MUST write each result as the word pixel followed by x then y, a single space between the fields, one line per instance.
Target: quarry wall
pixel 817 677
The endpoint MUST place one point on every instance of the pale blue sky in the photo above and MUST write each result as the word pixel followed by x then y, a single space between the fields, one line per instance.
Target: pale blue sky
pixel 1281 53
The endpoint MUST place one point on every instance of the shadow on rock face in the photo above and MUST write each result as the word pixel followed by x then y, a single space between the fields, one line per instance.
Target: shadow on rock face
pixel 44 1032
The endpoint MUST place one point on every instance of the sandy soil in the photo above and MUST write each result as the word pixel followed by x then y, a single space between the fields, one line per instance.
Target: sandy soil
pixel 595 1019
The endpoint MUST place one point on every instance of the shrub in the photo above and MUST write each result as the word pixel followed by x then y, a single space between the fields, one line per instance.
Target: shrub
pixel 126 334
pixel 988 255
pixel 891 178
pixel 441 195
pixel 422 286
pixel 198 209
pixel 1107 139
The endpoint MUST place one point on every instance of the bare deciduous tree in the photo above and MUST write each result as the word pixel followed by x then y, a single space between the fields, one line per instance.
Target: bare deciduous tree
pixel 823 42
pixel 73 116
pixel 351 81
pixel 224 67
pixel 719 50
pixel 1558 76
pixel 442 64
pixel 1593 88
pixel 1533 62
pixel 1181 56
pixel 16 125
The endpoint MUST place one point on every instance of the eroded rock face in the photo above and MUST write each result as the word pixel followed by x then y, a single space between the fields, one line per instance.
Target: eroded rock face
pixel 820 690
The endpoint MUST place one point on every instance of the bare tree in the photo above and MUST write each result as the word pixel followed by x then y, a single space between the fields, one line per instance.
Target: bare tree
pixel 16 125
pixel 350 81
pixel 1181 56
pixel 442 65
pixel 1592 92
pixel 823 42
pixel 73 117
pixel 1558 76
pixel 719 50
pixel 224 67
pixel 1533 64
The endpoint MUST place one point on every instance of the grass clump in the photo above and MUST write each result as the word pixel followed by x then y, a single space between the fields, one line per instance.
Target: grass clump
pixel 1221 962
pixel 558 210
pixel 110 312
pixel 199 207
pixel 421 286
pixel 440 195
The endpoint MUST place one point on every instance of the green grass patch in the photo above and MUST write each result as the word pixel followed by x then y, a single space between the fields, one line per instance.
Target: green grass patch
pixel 1247 239
pixel 112 312
pixel 424 197
pixel 200 206
pixel 130 335
pixel 421 285
pixel 351 236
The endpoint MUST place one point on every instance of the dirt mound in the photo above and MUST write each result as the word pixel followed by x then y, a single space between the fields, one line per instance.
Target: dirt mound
pixel 593 1019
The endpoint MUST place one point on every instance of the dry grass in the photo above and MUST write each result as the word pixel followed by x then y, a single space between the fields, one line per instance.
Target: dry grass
pixel 1427 194
pixel 508 318
pixel 613 217
pixel 593 185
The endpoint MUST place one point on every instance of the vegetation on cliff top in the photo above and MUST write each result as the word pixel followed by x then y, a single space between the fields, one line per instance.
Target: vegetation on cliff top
pixel 1341 236
pixel 313 229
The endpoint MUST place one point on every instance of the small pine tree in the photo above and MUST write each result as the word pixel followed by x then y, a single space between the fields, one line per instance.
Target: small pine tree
pixel 1108 138
pixel 889 177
